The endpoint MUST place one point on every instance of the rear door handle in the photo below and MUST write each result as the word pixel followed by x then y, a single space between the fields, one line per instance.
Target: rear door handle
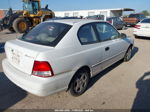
pixel 107 49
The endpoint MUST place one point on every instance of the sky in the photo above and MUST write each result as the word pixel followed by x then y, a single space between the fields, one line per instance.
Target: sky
pixel 64 5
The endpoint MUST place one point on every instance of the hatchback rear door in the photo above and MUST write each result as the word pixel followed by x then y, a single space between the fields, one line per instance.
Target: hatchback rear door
pixel 22 52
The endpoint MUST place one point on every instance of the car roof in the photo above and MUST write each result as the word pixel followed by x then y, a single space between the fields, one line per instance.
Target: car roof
pixel 74 21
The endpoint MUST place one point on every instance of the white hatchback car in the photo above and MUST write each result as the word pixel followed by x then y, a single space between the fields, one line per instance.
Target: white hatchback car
pixel 63 55
pixel 142 29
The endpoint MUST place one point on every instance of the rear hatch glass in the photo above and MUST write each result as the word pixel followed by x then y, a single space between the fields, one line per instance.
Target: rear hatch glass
pixel 47 33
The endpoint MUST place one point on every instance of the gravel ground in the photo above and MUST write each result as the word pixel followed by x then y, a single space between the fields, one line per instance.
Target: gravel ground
pixel 122 86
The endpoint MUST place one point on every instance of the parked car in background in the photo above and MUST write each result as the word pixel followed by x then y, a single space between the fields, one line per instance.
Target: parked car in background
pixel 58 18
pixel 63 55
pixel 133 19
pixel 96 17
pixel 116 22
pixel 142 29
pixel 70 18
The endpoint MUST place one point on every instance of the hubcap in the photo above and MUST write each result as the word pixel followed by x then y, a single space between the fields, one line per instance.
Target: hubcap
pixel 22 26
pixel 129 54
pixel 80 83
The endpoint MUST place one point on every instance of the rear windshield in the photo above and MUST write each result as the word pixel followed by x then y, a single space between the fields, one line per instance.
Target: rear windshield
pixel 146 21
pixel 133 16
pixel 136 16
pixel 47 33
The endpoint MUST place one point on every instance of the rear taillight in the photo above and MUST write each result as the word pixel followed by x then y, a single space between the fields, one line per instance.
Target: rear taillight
pixel 42 69
pixel 137 26
pixel 109 22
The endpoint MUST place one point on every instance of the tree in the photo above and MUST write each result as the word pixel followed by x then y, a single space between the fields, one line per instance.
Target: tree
pixel 146 13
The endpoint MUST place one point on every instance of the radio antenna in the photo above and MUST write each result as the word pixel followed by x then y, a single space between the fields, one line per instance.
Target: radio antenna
pixel 9 3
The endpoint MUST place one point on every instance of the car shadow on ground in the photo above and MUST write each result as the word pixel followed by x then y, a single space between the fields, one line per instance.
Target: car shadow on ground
pixel 10 94
pixel 2 47
pixel 8 32
pixel 143 38
pixel 142 99
pixel 101 74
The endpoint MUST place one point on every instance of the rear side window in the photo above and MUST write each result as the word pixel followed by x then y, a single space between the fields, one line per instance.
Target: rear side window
pixel 87 34
pixel 146 21
pixel 46 34
pixel 106 32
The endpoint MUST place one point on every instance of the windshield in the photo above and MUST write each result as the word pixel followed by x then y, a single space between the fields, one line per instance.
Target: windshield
pixel 32 7
pixel 46 34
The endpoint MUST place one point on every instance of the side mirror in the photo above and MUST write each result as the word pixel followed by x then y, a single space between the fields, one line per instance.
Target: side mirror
pixel 122 35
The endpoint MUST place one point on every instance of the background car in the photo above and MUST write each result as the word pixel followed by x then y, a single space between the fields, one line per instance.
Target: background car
pixel 70 18
pixel 58 18
pixel 142 28
pixel 133 19
pixel 96 17
pixel 116 22
pixel 63 55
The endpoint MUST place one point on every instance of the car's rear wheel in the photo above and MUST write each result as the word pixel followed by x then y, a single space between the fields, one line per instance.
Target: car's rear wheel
pixel 79 83
pixel 128 55
pixel 123 27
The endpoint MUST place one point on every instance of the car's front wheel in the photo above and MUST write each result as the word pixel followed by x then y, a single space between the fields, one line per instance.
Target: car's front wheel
pixel 79 83
pixel 128 54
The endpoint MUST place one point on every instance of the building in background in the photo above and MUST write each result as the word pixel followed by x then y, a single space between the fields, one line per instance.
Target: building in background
pixel 84 13
pixel 3 12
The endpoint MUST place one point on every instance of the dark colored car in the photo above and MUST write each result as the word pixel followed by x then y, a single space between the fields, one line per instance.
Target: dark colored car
pixel 58 18
pixel 116 22
pixel 139 16
pixel 133 19
pixel 71 18
pixel 96 17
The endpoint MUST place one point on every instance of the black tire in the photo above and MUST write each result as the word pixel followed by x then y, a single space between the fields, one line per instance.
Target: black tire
pixel 17 25
pixel 123 27
pixel 46 18
pixel 128 55
pixel 11 30
pixel 136 36
pixel 79 83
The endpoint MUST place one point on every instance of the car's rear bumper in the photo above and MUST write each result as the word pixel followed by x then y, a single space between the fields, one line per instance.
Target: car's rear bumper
pixel 140 34
pixel 36 85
